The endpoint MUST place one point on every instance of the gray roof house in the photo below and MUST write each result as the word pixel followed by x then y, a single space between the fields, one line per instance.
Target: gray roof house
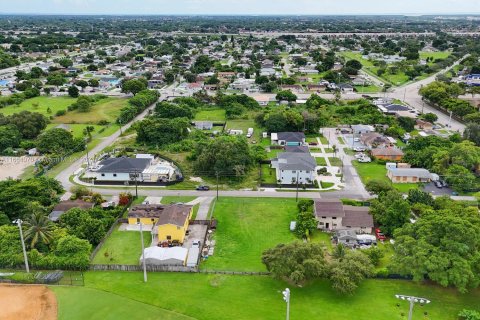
pixel 297 149
pixel 64 206
pixel 291 166
pixel 121 169
pixel 333 215
pixel 204 125
pixel 288 138
pixel 346 237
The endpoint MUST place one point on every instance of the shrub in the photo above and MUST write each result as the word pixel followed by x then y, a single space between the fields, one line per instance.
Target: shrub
pixel 61 112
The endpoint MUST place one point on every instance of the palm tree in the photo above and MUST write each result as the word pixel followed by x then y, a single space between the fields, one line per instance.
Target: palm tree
pixel 39 228
pixel 339 252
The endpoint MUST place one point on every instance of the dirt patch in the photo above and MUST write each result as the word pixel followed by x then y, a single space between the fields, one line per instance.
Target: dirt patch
pixel 27 302
pixel 13 167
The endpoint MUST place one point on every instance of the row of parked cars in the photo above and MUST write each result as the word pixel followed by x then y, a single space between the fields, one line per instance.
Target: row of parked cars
pixel 440 184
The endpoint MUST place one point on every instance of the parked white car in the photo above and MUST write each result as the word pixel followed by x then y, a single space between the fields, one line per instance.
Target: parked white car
pixel 365 160
pixel 359 149
pixel 360 156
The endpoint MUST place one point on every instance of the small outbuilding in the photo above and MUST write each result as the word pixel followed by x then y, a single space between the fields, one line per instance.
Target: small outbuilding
pixel 175 256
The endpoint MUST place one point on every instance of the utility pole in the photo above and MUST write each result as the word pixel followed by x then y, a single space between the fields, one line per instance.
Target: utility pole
pixel 296 197
pixel 412 301
pixel 216 173
pixel 143 253
pixel 136 184
pixel 450 120
pixel 286 298
pixel 88 157
pixel 19 224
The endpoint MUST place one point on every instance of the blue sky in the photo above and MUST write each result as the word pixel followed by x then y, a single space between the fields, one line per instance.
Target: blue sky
pixel 240 6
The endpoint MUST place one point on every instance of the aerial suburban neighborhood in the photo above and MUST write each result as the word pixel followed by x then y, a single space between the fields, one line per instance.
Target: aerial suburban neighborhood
pixel 226 160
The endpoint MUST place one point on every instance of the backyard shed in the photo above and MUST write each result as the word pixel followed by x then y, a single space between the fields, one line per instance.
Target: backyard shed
pixel 175 256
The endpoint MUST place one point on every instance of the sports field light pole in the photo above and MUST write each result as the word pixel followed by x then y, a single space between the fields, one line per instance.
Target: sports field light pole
pixel 412 301
pixel 19 224
pixel 286 297
pixel 143 253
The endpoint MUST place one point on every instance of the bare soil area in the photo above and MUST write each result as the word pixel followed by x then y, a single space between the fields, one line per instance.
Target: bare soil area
pixel 27 302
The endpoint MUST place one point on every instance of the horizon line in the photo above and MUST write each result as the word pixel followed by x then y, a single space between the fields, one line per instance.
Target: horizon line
pixel 418 14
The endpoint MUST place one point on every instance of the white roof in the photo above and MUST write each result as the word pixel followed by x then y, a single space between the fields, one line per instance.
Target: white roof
pixel 158 169
pixel 162 254
pixel 274 136
pixel 144 156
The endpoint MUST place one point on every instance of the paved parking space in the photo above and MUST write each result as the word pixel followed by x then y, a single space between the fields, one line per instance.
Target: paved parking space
pixel 430 188
pixel 195 232
pixel 348 138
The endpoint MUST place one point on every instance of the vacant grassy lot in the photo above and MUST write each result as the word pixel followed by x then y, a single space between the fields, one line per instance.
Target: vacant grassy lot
pixel 106 109
pixel 367 89
pixel 335 162
pixel 210 115
pixel 40 105
pixel 80 303
pixel 124 295
pixel 434 55
pixel 244 125
pixel 246 227
pixel 268 174
pixel 375 171
pixel 321 161
pixel 122 247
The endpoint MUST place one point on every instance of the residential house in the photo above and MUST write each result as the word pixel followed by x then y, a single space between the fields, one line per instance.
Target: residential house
pixel 299 149
pixel 204 125
pixel 346 88
pixel 316 87
pixel 64 206
pixel 293 167
pixel 170 222
pixel 262 100
pixel 423 125
pixel 288 139
pixel 389 154
pixel 362 128
pixel 333 215
pixel 409 175
pixel 374 139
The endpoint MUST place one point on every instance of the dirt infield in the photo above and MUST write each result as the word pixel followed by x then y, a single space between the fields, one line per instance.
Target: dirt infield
pixel 27 302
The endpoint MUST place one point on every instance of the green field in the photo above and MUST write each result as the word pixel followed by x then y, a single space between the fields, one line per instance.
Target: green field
pixel 244 125
pixel 368 89
pixel 106 109
pixel 210 115
pixel 86 303
pixel 247 227
pixel 321 161
pixel 435 55
pixel 123 296
pixel 122 247
pixel 40 105
pixel 375 171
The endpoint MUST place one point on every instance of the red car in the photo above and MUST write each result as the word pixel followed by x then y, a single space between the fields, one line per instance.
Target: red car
pixel 380 236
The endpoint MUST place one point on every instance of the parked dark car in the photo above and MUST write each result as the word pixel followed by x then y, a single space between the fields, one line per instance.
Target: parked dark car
pixel 438 184
pixel 203 188
pixel 444 183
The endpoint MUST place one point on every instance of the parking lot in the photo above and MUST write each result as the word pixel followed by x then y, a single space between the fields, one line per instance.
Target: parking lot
pixel 434 191
pixel 349 140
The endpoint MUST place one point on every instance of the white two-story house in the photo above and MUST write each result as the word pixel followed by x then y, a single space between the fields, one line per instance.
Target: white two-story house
pixel 294 166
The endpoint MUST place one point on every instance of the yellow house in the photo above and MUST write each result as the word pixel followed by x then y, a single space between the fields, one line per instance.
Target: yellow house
pixel 169 222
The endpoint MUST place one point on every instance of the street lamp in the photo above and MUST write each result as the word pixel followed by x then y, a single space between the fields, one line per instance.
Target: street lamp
pixel 143 252
pixel 412 301
pixel 286 297
pixel 19 224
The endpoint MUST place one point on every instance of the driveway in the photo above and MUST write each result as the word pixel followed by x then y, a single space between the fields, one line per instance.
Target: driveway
pixel 434 191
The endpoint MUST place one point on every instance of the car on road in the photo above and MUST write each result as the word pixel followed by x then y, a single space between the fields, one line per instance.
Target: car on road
pixel 356 139
pixel 380 236
pixel 203 188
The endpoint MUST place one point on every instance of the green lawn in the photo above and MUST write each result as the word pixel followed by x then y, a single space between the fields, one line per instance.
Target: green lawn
pixel 124 296
pixel 375 171
pixel 175 199
pixel 368 89
pixel 335 162
pixel 78 303
pixel 40 105
pixel 122 247
pixel 323 238
pixel 324 140
pixel 435 55
pixel 244 125
pixel 77 129
pixel 210 115
pixel 321 161
pixel 326 185
pixel 106 109
pixel 268 174
pixel 246 227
